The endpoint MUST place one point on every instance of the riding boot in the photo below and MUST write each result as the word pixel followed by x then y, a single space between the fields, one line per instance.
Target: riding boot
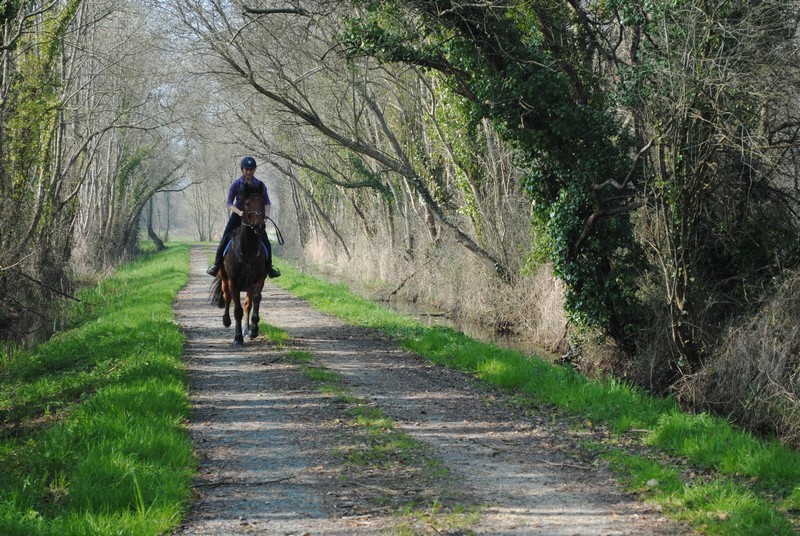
pixel 233 222
pixel 213 270
pixel 271 270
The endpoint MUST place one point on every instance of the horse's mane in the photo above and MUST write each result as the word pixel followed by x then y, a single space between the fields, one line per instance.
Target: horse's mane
pixel 253 190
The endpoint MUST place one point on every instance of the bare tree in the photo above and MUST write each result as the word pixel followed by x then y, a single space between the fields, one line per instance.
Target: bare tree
pixel 288 62
pixel 123 114
pixel 85 113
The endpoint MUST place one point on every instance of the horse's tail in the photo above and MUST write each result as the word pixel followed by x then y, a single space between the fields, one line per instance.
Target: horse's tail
pixel 215 296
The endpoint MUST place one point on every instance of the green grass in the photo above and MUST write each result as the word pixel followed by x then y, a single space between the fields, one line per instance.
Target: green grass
pixel 300 356
pixel 93 438
pixel 432 520
pixel 321 375
pixel 752 485
pixel 714 504
pixel 277 336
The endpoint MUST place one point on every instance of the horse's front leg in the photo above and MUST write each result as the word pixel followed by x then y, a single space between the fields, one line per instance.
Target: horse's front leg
pixel 256 305
pixel 247 304
pixel 238 339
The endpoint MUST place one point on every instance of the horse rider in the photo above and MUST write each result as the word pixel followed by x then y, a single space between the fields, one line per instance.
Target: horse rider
pixel 236 206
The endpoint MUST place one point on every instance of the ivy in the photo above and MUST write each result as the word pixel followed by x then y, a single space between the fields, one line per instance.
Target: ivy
pixel 368 177
pixel 498 60
pixel 32 112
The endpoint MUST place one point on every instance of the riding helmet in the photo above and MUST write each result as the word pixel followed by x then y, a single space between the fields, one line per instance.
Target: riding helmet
pixel 248 162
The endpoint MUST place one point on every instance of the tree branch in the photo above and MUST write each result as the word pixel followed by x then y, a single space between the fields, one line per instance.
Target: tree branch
pixel 276 11
pixel 590 222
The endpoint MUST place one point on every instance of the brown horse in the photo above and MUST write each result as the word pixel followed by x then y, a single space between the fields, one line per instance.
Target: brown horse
pixel 243 270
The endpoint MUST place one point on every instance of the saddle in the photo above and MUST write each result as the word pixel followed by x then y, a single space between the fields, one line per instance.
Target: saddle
pixel 230 243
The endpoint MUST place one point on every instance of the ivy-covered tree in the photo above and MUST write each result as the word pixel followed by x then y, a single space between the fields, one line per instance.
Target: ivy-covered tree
pixel 524 66
pixel 72 76
pixel 654 138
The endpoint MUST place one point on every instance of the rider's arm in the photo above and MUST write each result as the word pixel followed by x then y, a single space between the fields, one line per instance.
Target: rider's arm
pixel 232 191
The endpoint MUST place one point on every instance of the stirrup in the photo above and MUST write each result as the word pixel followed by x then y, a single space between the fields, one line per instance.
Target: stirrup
pixel 273 272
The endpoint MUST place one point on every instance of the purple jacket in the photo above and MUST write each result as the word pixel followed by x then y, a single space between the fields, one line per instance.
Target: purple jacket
pixel 236 192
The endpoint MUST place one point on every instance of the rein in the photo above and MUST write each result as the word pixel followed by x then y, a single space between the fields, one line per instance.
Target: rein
pixel 246 221
pixel 246 216
pixel 278 233
pixel 251 213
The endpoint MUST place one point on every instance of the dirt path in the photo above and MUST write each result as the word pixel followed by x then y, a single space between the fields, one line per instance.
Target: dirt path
pixel 267 440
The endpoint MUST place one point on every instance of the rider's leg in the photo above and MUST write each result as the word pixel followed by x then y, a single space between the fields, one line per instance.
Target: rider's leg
pixel 233 222
pixel 271 270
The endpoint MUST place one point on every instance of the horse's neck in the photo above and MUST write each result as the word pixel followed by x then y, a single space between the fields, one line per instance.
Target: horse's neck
pixel 248 239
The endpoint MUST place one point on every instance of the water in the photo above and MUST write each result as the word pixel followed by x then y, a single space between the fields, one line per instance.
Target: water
pixel 428 316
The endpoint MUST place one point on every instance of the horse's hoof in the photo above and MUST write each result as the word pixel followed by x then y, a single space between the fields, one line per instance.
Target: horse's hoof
pixel 226 321
pixel 238 342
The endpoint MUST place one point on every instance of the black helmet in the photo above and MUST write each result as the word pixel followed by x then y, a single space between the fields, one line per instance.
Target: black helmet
pixel 248 162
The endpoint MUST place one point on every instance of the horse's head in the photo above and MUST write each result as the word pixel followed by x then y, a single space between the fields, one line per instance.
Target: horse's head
pixel 253 214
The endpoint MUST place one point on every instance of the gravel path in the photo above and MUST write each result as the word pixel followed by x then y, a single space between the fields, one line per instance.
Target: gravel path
pixel 267 438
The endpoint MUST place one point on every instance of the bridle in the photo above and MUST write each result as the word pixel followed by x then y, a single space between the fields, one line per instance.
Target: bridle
pixel 250 213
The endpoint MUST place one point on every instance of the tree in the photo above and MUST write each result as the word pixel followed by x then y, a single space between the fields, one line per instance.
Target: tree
pixel 657 144
pixel 708 90
pixel 522 65
pixel 342 104
pixel 125 117
pixel 692 162
pixel 73 79
pixel 34 235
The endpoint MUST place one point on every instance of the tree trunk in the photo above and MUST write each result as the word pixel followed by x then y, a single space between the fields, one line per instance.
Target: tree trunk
pixel 150 231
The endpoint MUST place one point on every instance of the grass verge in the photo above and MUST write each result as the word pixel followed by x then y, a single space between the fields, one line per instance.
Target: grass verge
pixel 701 469
pixel 93 439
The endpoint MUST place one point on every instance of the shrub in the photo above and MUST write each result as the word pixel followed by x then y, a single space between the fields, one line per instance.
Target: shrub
pixel 755 374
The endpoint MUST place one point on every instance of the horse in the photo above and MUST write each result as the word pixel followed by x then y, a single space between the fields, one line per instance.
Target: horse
pixel 243 270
